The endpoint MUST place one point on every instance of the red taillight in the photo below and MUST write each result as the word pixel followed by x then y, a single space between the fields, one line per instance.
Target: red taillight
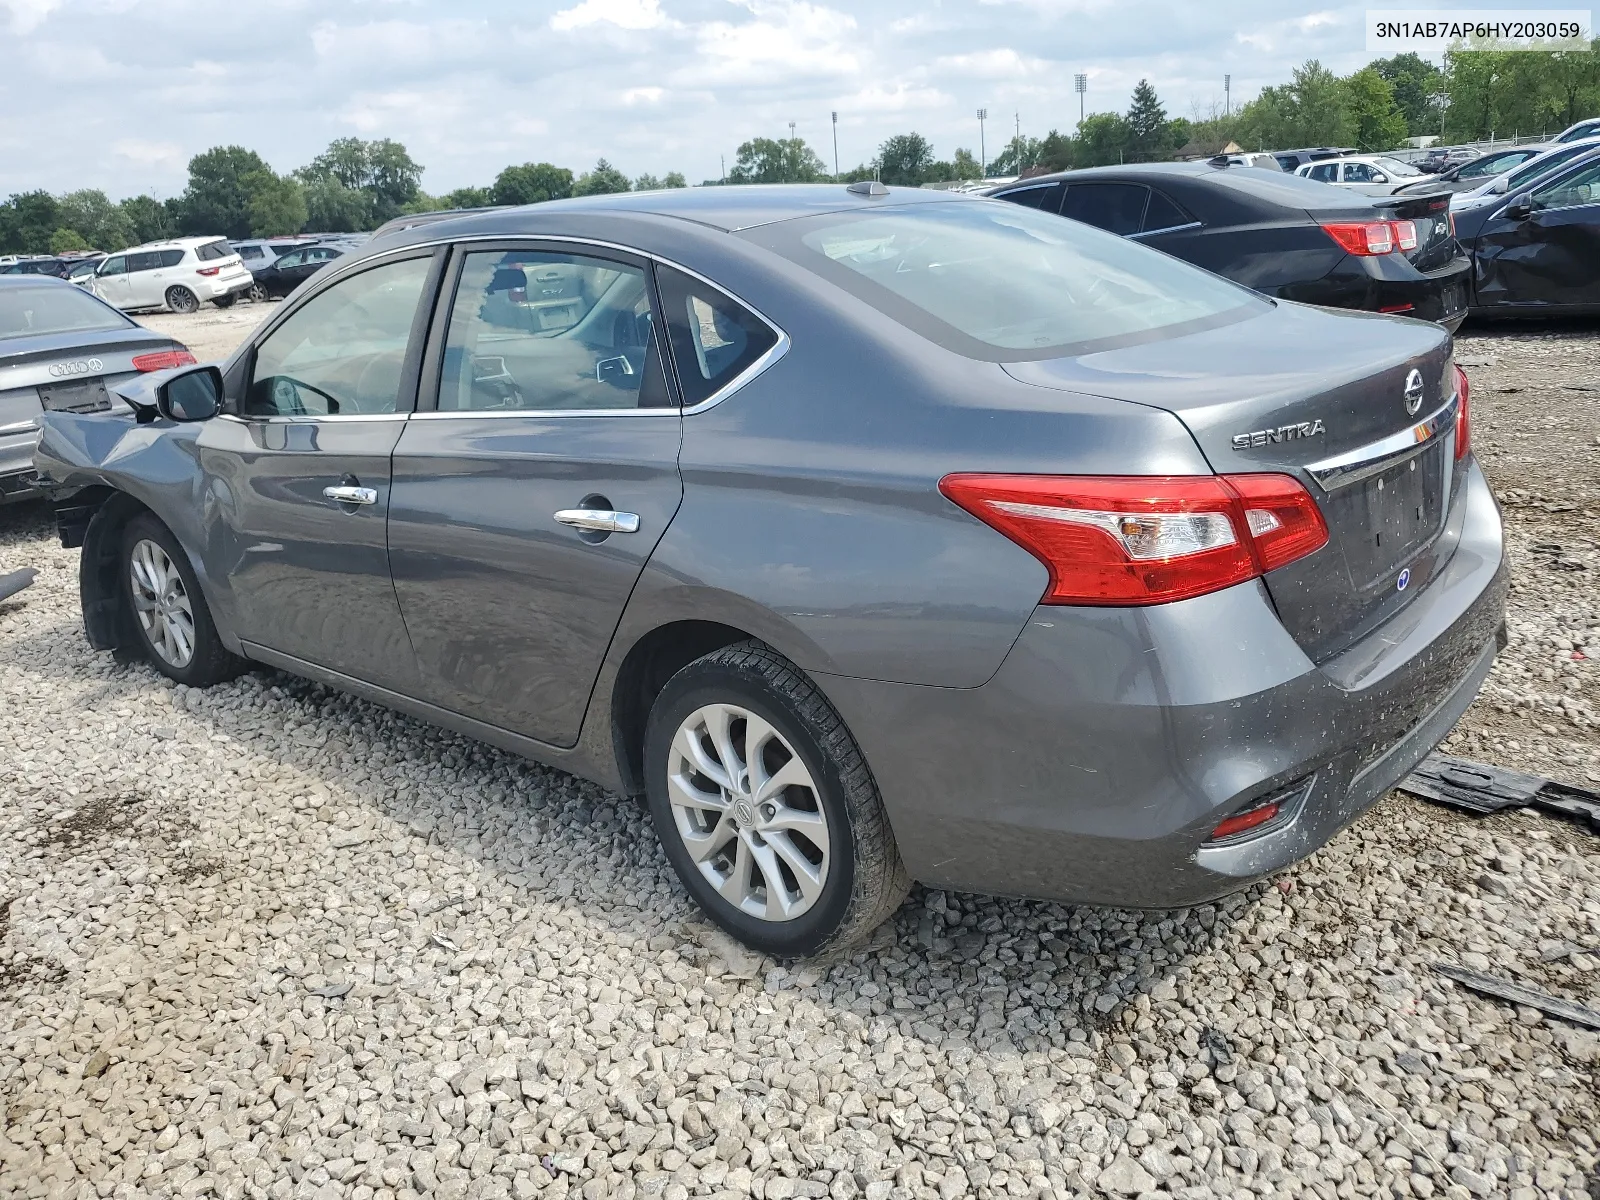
pixel 1249 819
pixel 1366 237
pixel 1452 222
pixel 1463 415
pixel 208 271
pixel 1405 234
pixel 1145 539
pixel 162 360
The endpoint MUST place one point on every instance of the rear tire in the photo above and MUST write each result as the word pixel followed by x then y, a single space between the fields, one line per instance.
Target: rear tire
pixel 181 300
pixel 167 611
pixel 226 301
pixel 258 293
pixel 790 853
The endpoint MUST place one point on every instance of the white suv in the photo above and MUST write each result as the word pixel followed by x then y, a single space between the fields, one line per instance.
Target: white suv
pixel 177 274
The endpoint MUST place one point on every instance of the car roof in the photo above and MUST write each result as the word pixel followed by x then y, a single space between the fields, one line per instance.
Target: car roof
pixel 14 281
pixel 743 206
pixel 1282 188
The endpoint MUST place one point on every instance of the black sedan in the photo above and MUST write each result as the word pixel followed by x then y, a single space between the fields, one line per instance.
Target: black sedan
pixel 289 271
pixel 1282 235
pixel 1467 175
pixel 1536 252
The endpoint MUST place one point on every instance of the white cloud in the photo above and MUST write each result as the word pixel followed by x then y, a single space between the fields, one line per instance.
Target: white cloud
pixel 149 154
pixel 625 14
pixel 785 41
pixel 28 15
pixel 643 95
pixel 1003 63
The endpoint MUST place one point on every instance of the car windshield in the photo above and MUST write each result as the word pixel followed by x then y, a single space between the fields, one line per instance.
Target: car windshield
pixel 1001 282
pixel 1542 165
pixel 1395 167
pixel 25 311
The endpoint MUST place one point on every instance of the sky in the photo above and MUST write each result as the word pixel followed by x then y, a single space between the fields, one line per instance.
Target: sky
pixel 119 94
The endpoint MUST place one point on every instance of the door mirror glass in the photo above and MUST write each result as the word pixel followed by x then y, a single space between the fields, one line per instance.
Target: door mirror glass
pixel 1379 177
pixel 1520 207
pixel 194 395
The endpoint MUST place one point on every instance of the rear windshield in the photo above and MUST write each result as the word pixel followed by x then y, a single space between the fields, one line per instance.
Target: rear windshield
pixel 25 311
pixel 996 281
pixel 213 250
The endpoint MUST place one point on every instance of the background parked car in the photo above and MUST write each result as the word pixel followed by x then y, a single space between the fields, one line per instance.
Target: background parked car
pixel 38 264
pixel 1280 234
pixel 288 271
pixel 1375 173
pixel 1442 158
pixel 1528 174
pixel 1537 251
pixel 1578 132
pixel 259 253
pixel 82 271
pixel 178 274
pixel 1292 160
pixel 60 348
pixel 1466 175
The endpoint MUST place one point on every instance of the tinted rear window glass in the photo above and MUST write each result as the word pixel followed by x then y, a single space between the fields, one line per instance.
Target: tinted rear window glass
pixel 1033 197
pixel 171 258
pixel 714 339
pixel 1114 207
pixel 147 260
pixel 212 250
pixel 1004 283
pixel 1163 214
pixel 64 309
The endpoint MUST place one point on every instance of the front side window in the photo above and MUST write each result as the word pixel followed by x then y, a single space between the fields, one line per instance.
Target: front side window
pixel 342 352
pixel 1357 173
pixel 1114 207
pixel 292 260
pixel 115 265
pixel 1581 187
pixel 1006 284
pixel 535 331
pixel 715 339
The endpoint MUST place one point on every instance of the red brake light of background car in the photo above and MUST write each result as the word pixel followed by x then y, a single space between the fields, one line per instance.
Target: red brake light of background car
pixel 162 360
pixel 209 271
pixel 1366 237
pixel 1138 540
pixel 1463 415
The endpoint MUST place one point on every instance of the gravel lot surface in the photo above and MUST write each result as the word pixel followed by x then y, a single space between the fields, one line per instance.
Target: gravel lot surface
pixel 212 333
pixel 270 941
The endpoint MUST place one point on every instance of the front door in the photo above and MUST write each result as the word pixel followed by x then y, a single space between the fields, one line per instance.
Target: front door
pixel 527 502
pixel 145 278
pixel 1549 257
pixel 111 281
pixel 302 469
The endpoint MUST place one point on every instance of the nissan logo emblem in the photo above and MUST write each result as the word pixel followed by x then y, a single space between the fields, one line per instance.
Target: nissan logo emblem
pixel 84 366
pixel 1413 391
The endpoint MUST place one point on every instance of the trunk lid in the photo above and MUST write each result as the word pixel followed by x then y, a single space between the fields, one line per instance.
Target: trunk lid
pixel 1319 394
pixel 1429 211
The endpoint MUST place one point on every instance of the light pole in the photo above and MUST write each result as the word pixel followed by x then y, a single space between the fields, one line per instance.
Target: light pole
pixel 1227 93
pixel 983 155
pixel 836 145
pixel 788 153
pixel 1442 99
pixel 1080 84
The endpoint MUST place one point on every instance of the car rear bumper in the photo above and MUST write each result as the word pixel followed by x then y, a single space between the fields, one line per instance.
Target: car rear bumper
pixel 215 289
pixel 1096 762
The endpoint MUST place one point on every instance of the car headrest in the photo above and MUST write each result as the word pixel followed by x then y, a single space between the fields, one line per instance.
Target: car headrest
pixel 508 279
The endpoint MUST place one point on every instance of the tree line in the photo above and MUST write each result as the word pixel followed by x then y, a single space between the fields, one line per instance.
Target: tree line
pixel 357 185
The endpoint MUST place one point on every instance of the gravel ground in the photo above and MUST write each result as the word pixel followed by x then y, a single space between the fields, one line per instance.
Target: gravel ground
pixel 212 333
pixel 269 941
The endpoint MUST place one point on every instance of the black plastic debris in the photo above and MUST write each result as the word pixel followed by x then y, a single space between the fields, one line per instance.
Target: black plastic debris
pixel 1217 1044
pixel 15 581
pixel 1504 989
pixel 331 991
pixel 1482 789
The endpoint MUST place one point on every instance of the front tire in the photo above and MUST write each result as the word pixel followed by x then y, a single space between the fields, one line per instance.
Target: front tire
pixel 765 807
pixel 226 301
pixel 167 612
pixel 258 293
pixel 182 300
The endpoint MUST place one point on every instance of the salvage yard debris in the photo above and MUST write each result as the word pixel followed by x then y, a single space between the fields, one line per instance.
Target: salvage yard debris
pixel 1504 989
pixel 15 581
pixel 1482 789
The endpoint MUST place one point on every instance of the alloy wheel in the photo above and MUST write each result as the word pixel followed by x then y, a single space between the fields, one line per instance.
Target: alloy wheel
pixel 161 603
pixel 182 300
pixel 748 811
pixel 257 293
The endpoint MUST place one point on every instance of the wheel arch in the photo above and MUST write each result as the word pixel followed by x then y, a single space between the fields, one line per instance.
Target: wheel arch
pixel 106 620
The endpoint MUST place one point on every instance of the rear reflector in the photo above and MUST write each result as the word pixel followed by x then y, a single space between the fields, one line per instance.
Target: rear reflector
pixel 1243 822
pixel 1395 308
pixel 1137 540
pixel 162 360
pixel 1405 234
pixel 1463 415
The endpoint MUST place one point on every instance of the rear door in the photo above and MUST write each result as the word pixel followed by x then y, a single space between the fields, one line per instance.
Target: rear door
pixel 300 471
pixel 1115 207
pixel 533 488
pixel 1552 255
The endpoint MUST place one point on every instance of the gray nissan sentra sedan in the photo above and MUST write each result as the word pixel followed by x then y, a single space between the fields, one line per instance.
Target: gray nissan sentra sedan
pixel 872 535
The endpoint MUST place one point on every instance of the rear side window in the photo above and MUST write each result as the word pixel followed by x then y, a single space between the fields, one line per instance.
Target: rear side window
pixel 62 309
pixel 147 260
pixel 249 252
pixel 171 258
pixel 1047 197
pixel 714 338
pixel 213 250
pixel 1162 213
pixel 1115 207
pixel 1006 284
pixel 1324 173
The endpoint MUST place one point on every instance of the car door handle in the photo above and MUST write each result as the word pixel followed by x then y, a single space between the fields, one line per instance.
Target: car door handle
pixel 599 520
pixel 351 495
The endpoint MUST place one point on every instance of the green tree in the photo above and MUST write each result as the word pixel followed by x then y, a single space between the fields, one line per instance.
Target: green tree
pixel 767 160
pixel 26 223
pixel 148 220
pixel 63 240
pixel 1571 82
pixel 1103 138
pixel 468 197
pixel 1312 109
pixel 382 169
pixel 531 183
pixel 1479 85
pixel 100 223
pixel 333 208
pixel 1015 157
pixel 647 183
pixel 1147 125
pixel 277 204
pixel 217 200
pixel 601 181
pixel 1379 123
pixel 674 179
pixel 1415 82
pixel 906 159
pixel 965 167
pixel 1055 152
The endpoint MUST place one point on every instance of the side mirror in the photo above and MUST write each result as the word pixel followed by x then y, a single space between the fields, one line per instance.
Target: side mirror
pixel 1379 177
pixel 1521 207
pixel 193 395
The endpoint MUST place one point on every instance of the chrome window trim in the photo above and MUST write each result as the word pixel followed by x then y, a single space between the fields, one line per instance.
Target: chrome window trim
pixel 1032 187
pixel 749 374
pixel 1144 233
pixel 1352 466
pixel 310 418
